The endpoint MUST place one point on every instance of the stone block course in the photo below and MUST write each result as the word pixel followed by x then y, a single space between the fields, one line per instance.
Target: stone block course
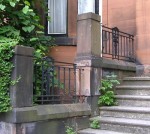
pixel 132 114
pixel 45 119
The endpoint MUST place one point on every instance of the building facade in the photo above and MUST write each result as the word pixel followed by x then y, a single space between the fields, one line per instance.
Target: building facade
pixel 129 16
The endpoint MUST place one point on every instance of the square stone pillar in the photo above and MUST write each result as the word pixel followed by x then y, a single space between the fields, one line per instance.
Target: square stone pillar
pixel 22 92
pixel 88 56
pixel 142 37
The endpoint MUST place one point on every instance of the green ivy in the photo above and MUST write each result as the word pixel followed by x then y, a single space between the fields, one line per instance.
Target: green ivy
pixel 95 124
pixel 19 25
pixel 5 76
pixel 70 130
pixel 9 37
pixel 107 97
pixel 21 15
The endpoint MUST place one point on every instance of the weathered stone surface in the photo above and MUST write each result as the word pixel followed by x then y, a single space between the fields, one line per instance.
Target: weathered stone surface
pixel 92 101
pixel 45 119
pixel 22 92
pixel 126 112
pixel 118 64
pixel 143 70
pixel 132 114
pixel 142 81
pixel 82 122
pixel 55 126
pixel 7 128
pixel 88 50
pixel 124 125
pixel 100 62
pixel 95 131
pixel 45 127
pixel 131 100
pixel 132 90
pixel 24 51
pixel 45 112
pixel 88 35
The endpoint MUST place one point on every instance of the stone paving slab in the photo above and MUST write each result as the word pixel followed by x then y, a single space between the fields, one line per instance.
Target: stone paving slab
pixel 97 131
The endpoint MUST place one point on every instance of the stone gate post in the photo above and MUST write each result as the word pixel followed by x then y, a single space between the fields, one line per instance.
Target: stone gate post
pixel 22 92
pixel 88 57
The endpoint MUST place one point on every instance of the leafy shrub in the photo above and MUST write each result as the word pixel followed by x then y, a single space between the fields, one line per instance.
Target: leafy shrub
pixel 70 130
pixel 19 25
pixel 107 97
pixel 5 76
pixel 95 124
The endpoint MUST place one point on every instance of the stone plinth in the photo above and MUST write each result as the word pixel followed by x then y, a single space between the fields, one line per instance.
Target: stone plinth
pixel 22 92
pixel 88 54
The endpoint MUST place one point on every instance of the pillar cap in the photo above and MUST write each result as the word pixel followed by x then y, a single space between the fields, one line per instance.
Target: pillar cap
pixel 89 15
pixel 23 50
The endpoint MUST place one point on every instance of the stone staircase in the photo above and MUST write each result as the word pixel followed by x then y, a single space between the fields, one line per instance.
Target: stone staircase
pixel 132 115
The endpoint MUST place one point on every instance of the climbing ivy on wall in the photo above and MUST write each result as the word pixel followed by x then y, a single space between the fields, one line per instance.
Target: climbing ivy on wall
pixel 5 77
pixel 19 25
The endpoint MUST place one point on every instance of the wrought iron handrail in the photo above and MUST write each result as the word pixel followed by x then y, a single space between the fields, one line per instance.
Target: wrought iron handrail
pixel 117 44
pixel 54 82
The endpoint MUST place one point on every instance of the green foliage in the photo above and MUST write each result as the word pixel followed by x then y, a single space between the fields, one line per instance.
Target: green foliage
pixel 107 97
pixel 9 37
pixel 19 25
pixel 21 17
pixel 70 130
pixel 5 72
pixel 95 124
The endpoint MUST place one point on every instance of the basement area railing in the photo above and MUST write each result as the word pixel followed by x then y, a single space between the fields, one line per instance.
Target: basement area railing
pixel 54 82
pixel 117 45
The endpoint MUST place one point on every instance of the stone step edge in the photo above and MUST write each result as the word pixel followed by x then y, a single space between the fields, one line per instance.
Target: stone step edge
pixel 139 87
pixel 126 109
pixel 133 97
pixel 98 131
pixel 122 121
pixel 137 78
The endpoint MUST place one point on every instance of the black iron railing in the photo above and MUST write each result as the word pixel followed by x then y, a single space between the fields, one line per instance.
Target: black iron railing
pixel 54 82
pixel 117 44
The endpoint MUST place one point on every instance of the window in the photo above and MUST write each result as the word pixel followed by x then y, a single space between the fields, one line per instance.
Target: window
pixel 58 15
pixel 85 6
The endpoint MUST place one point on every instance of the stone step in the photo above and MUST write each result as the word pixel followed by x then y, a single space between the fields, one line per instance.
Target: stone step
pixel 146 78
pixel 96 131
pixel 136 81
pixel 131 100
pixel 126 112
pixel 132 90
pixel 133 126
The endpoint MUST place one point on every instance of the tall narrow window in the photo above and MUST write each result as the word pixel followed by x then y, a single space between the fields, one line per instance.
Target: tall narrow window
pixel 58 15
pixel 85 6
